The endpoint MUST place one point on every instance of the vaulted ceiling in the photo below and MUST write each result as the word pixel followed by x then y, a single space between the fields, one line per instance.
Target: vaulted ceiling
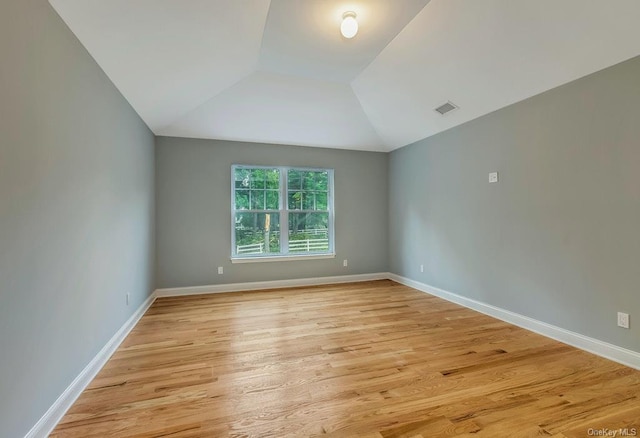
pixel 280 72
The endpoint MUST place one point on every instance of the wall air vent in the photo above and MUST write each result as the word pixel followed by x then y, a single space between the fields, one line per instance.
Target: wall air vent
pixel 446 108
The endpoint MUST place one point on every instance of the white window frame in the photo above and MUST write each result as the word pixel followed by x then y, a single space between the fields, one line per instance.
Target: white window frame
pixel 283 211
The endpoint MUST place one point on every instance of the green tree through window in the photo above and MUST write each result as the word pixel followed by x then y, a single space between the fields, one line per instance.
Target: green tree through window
pixel 280 211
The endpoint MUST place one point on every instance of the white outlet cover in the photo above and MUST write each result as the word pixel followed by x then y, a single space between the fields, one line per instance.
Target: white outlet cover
pixel 493 177
pixel 220 270
pixel 623 320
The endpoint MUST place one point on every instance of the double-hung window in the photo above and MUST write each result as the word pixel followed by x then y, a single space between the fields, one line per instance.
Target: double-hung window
pixel 281 212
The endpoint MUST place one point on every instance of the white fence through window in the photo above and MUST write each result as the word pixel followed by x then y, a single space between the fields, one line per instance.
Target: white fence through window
pixel 306 245
pixel 254 248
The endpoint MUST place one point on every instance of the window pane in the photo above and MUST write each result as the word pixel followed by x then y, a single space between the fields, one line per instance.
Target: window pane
pixel 294 179
pixel 242 200
pixel 257 199
pixel 272 200
pixel 309 182
pixel 257 178
pixel 242 178
pixel 322 201
pixel 257 233
pixel 308 201
pixel 295 200
pixel 322 181
pixel 273 178
pixel 308 232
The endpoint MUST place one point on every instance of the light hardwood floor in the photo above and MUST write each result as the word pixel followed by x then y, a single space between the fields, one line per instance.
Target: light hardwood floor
pixel 374 359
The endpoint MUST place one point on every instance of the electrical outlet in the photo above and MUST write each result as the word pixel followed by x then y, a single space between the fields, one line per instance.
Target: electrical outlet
pixel 493 177
pixel 220 270
pixel 623 320
pixel 421 268
pixel 345 263
pixel 127 298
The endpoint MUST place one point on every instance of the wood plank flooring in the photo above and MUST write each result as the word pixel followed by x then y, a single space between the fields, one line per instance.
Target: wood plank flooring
pixel 374 359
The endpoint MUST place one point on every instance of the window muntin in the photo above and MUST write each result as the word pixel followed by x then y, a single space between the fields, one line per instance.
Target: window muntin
pixel 264 199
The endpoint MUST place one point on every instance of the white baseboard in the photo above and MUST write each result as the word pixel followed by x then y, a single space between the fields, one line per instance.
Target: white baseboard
pixel 50 419
pixel 621 355
pixel 276 284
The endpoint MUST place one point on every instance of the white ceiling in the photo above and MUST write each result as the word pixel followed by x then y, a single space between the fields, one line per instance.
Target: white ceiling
pixel 279 71
pixel 302 37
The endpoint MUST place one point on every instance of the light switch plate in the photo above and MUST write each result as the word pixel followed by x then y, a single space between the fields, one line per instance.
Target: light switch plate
pixel 493 177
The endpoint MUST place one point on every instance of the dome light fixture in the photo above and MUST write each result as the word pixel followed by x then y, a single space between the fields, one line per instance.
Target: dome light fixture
pixel 349 26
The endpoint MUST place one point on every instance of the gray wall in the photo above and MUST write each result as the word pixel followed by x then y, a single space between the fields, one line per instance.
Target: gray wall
pixel 193 193
pixel 558 238
pixel 76 211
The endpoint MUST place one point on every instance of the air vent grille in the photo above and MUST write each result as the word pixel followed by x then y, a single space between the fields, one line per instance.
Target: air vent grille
pixel 446 108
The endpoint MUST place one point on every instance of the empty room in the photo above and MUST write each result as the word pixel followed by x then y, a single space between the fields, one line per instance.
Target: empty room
pixel 305 218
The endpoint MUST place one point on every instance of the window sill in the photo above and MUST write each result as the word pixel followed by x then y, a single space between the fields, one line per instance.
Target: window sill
pixel 289 258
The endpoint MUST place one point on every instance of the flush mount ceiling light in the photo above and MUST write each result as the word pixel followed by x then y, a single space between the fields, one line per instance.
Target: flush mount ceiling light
pixel 349 26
